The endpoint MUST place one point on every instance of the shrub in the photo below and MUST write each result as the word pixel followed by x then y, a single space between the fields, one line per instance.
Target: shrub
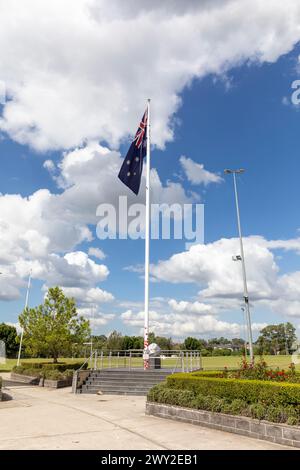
pixel 251 391
pixel 18 369
pixel 60 366
pixel 257 410
pixel 261 371
pixel 53 375
pixel 46 372
pixel 237 406
pixel 170 396
pixel 68 373
pixel 163 394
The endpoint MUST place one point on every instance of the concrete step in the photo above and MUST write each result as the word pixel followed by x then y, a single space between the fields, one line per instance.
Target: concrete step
pixel 134 382
pixel 129 374
pixel 127 379
pixel 116 392
pixel 117 385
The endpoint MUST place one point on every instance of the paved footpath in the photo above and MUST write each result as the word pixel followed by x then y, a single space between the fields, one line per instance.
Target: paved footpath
pixel 40 418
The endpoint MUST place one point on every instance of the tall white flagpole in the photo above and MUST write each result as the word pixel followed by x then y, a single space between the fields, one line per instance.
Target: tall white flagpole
pixel 26 305
pixel 147 243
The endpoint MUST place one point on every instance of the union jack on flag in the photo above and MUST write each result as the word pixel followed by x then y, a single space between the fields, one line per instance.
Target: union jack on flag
pixel 131 170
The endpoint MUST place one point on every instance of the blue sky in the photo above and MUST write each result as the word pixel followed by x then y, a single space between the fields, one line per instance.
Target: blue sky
pixel 240 116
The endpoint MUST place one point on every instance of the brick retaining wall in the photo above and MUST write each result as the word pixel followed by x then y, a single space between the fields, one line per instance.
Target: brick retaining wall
pixel 273 432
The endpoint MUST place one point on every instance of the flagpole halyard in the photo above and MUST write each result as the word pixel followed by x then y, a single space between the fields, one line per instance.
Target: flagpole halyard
pixel 147 243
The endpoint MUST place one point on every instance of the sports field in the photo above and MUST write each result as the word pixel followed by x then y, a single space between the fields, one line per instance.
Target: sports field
pixel 219 362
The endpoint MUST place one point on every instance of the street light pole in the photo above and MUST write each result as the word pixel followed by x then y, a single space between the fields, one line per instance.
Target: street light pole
pixel 246 296
pixel 26 305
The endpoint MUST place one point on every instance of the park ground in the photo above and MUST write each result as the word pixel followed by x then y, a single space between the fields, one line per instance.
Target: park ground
pixel 217 362
pixel 41 418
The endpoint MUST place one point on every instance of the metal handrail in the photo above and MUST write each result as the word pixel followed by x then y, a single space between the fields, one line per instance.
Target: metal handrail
pixel 186 360
pixel 87 361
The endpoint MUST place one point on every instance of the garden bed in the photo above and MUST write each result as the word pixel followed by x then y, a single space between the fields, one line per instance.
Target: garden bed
pixel 245 426
pixel 57 383
pixel 45 374
pixel 51 383
pixel 254 401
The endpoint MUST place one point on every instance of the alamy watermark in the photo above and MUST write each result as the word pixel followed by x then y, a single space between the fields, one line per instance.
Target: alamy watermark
pixel 168 221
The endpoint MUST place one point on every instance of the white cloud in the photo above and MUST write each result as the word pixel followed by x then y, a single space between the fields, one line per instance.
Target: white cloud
pixel 211 267
pixel 292 244
pixel 220 279
pixel 96 253
pixel 78 71
pixel 92 296
pixel 49 165
pixel 180 325
pixel 43 230
pixel 190 307
pixel 196 173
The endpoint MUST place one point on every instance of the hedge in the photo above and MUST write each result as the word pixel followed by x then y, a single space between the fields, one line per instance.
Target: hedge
pixel 250 391
pixel 60 366
pixel 47 373
pixel 161 393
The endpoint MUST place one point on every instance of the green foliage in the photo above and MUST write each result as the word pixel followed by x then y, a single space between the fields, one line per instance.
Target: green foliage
pixel 191 344
pixel 115 341
pixel 221 352
pixel 261 371
pixel 276 339
pixel 205 352
pixel 9 335
pixel 52 328
pixel 132 342
pixel 61 367
pixel 46 371
pixel 251 391
pixel 163 393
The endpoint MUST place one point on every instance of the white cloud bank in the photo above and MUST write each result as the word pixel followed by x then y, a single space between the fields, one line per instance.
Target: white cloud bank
pixel 78 71
pixel 42 232
pixel 220 281
pixel 181 324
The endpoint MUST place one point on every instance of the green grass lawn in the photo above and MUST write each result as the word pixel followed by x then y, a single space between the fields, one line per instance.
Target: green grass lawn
pixel 282 362
pixel 208 362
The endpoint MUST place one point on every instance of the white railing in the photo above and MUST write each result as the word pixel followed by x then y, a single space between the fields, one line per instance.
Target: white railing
pixel 175 361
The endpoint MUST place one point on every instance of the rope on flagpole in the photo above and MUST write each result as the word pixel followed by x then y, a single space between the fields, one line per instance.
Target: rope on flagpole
pixel 147 244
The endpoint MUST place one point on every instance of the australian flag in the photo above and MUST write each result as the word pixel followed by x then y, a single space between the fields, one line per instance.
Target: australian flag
pixel 132 168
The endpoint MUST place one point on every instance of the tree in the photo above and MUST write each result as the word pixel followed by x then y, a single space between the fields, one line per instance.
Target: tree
pixel 191 344
pixel 165 344
pixel 9 335
pixel 115 341
pixel 99 342
pixel 53 327
pixel 132 342
pixel 276 339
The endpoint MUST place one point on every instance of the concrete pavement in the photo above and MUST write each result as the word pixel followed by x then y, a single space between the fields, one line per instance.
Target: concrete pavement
pixel 40 418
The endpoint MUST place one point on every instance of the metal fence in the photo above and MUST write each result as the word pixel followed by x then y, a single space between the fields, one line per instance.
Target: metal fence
pixel 175 361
